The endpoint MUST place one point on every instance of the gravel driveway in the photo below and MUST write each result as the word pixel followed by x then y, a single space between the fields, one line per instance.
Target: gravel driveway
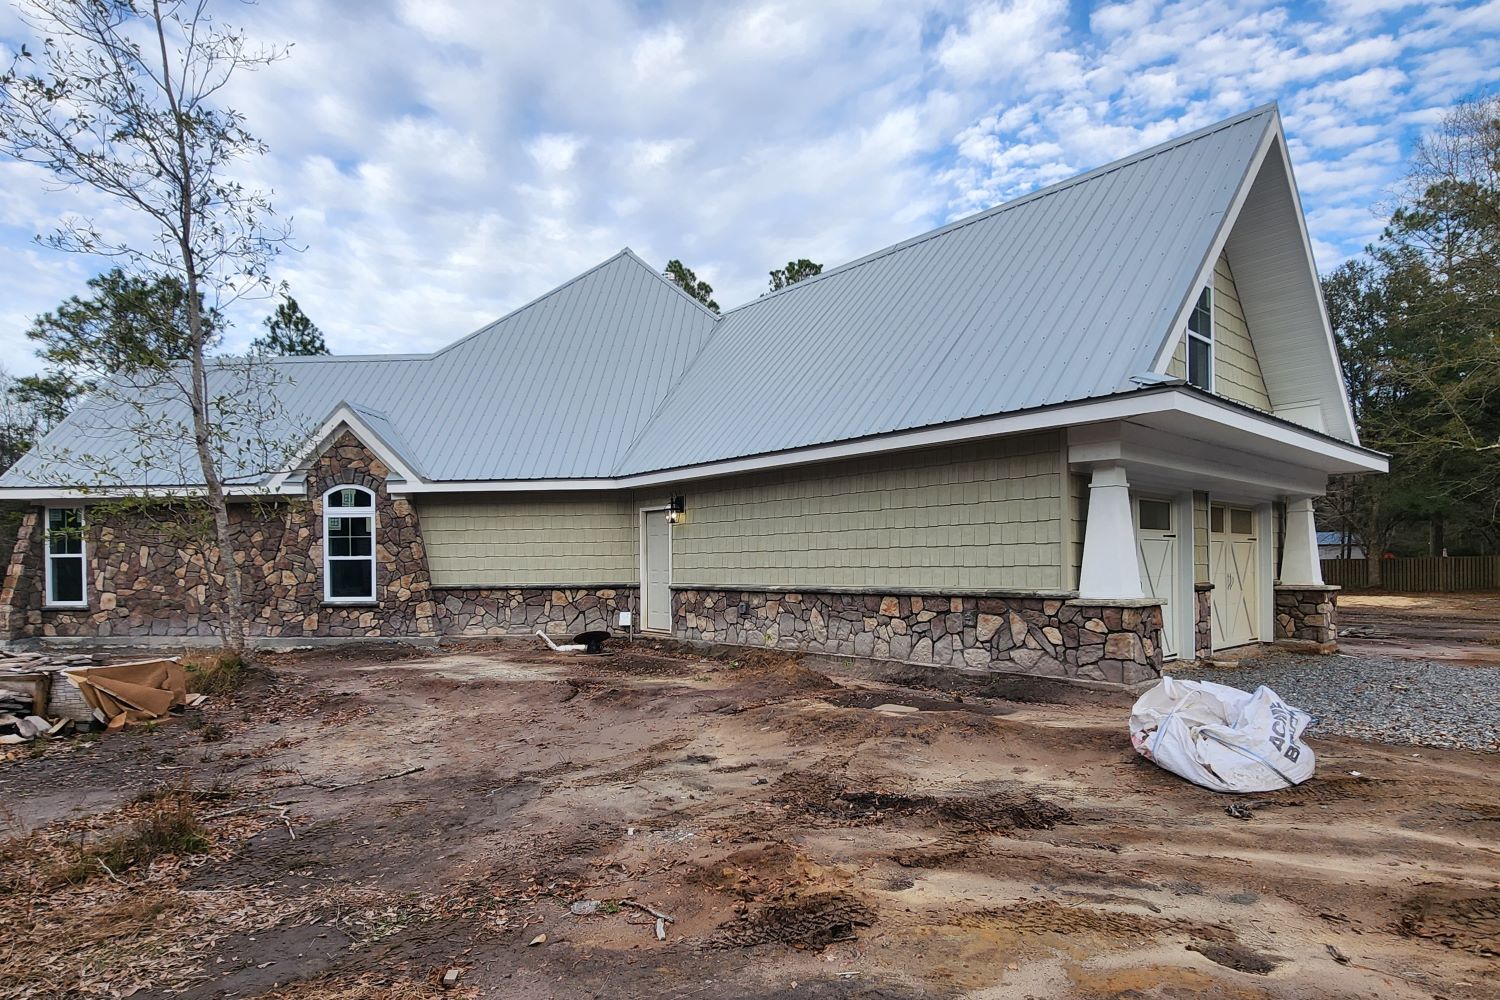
pixel 1380 698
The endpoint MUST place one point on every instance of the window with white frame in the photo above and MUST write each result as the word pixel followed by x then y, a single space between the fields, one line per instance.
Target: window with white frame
pixel 349 544
pixel 1200 342
pixel 66 560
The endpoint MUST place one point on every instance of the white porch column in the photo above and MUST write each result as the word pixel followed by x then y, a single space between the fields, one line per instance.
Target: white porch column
pixel 1111 569
pixel 1300 566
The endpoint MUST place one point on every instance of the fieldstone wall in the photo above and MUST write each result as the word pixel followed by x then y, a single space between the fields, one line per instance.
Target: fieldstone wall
pixel 1044 637
pixel 21 588
pixel 1308 615
pixel 522 611
pixel 146 580
pixel 1203 622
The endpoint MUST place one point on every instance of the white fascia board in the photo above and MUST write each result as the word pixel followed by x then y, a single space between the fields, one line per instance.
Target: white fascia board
pixel 1138 403
pixel 1312 266
pixel 120 492
pixel 1178 329
pixel 343 416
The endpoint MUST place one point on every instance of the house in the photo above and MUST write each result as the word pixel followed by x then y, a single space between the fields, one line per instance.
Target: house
pixel 1338 545
pixel 1074 435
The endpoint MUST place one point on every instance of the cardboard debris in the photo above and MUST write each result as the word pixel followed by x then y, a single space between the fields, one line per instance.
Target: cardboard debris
pixel 126 693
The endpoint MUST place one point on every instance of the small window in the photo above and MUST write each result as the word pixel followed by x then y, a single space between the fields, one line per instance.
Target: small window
pixel 1200 342
pixel 66 560
pixel 1240 521
pixel 1216 520
pixel 349 544
pixel 1156 515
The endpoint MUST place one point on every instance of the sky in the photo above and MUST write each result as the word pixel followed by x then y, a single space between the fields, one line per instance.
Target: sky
pixel 445 161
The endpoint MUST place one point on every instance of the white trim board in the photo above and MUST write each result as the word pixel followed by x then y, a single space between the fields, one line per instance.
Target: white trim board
pixel 1158 401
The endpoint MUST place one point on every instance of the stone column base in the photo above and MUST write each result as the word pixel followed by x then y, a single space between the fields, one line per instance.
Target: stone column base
pixel 1306 618
pixel 1203 622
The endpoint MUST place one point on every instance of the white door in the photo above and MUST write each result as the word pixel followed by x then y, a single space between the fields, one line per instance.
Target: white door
pixel 1156 543
pixel 656 561
pixel 1234 558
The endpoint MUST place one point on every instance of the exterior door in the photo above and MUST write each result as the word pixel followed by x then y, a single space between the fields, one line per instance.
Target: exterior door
pixel 656 564
pixel 1234 555
pixel 1156 544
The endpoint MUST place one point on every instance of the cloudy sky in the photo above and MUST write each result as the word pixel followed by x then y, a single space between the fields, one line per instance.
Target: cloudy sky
pixel 443 161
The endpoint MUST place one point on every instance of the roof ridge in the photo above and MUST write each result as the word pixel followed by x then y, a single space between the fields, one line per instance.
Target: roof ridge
pixel 623 252
pixel 659 276
pixel 1024 199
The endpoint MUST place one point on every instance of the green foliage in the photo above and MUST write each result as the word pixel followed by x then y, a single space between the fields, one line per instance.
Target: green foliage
pixel 1418 325
pixel 289 333
pixel 795 271
pixel 683 276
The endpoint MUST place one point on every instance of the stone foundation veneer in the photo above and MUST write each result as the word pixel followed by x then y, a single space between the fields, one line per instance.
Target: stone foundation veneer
pixel 1308 615
pixel 480 611
pixel 1118 644
pixel 1203 622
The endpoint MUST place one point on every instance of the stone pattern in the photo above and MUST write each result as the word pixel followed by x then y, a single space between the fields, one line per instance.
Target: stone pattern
pixel 522 611
pixel 1044 637
pixel 1308 614
pixel 145 582
pixel 1203 622
pixel 21 590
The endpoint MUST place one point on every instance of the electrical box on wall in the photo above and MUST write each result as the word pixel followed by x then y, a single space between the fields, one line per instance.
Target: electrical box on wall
pixel 624 619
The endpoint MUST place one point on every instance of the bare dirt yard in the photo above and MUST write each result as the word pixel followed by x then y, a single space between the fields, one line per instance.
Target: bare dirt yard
pixel 354 824
pixel 1455 628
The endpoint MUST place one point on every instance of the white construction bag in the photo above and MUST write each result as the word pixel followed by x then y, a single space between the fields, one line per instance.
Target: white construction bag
pixel 1221 737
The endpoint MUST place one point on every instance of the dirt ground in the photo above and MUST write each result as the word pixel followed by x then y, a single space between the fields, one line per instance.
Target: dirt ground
pixel 376 820
pixel 1453 628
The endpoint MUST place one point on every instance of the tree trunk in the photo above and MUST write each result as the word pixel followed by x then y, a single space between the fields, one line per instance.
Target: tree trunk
pixel 234 635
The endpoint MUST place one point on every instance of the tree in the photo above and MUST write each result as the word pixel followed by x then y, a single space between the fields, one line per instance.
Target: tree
pixel 1418 323
pixel 684 278
pixel 289 332
pixel 121 99
pixel 128 322
pixel 20 422
pixel 795 271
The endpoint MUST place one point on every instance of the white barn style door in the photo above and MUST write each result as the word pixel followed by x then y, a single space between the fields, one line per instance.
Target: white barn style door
pixel 1156 544
pixel 1234 564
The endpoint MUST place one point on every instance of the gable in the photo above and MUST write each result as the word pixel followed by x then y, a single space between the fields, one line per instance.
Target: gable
pixel 1237 372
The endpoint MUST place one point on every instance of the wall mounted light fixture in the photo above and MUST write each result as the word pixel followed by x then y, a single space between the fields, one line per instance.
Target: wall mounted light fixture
pixel 675 511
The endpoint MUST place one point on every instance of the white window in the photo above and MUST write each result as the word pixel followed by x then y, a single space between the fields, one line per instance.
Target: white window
pixel 1200 342
pixel 66 560
pixel 349 545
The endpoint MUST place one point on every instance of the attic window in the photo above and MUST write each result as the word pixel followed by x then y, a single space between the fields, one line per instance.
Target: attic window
pixel 1200 342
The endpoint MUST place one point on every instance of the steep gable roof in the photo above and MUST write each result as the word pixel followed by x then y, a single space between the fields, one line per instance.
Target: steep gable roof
pixel 1060 296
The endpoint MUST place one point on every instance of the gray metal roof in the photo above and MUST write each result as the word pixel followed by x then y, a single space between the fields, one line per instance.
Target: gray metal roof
pixel 1058 296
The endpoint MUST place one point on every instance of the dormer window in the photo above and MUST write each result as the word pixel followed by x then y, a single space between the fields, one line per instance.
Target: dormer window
pixel 1200 342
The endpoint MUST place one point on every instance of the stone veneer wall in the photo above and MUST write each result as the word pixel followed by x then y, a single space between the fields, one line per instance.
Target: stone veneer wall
pixel 1308 614
pixel 1044 637
pixel 20 590
pixel 144 583
pixel 558 611
pixel 1203 622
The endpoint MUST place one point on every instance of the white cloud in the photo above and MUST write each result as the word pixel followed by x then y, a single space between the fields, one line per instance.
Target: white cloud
pixel 447 160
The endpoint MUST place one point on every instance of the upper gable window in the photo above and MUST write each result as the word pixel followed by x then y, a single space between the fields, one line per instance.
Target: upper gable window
pixel 1200 342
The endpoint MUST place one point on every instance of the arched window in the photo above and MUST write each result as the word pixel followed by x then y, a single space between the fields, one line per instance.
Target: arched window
pixel 349 544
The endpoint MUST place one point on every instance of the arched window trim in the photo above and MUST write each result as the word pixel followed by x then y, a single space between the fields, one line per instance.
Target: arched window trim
pixel 365 511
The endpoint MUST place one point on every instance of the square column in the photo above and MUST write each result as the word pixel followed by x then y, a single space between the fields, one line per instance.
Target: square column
pixel 1111 569
pixel 1300 566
